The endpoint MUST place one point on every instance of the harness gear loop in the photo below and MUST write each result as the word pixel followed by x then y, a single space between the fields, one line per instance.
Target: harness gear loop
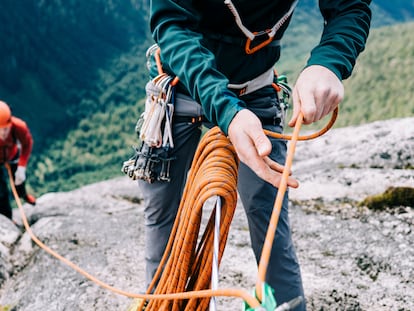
pixel 252 35
pixel 159 109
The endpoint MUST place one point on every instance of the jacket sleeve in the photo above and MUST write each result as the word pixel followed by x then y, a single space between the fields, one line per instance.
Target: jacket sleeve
pixel 23 135
pixel 173 26
pixel 346 28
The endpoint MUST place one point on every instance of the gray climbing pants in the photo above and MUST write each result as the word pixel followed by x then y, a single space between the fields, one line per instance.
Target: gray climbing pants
pixel 162 199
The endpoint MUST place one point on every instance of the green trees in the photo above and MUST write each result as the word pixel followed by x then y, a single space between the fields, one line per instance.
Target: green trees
pixel 382 86
pixel 94 151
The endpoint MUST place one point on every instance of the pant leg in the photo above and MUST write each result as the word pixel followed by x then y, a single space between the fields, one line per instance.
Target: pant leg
pixel 5 207
pixel 21 190
pixel 162 199
pixel 283 272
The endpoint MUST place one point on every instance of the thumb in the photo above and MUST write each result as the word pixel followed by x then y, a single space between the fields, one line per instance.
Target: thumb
pixel 296 107
pixel 262 143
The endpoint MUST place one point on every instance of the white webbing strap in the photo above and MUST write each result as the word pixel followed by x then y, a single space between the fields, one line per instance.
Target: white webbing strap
pixel 252 35
pixel 216 248
pixel 264 79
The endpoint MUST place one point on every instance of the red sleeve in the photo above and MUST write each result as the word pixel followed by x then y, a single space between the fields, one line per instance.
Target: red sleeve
pixel 23 135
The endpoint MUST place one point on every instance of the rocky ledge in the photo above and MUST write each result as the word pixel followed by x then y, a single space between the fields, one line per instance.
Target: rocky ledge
pixel 352 257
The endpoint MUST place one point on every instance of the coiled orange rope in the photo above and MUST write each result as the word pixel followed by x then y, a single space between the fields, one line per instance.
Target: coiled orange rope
pixel 188 268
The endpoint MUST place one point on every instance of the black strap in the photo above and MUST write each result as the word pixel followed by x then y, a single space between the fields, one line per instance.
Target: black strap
pixel 201 119
pixel 270 121
pixel 188 119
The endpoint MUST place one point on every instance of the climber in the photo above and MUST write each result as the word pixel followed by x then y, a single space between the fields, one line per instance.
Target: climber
pixel 224 55
pixel 15 148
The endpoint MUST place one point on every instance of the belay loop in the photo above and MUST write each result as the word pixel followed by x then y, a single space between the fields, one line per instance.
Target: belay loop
pixel 154 129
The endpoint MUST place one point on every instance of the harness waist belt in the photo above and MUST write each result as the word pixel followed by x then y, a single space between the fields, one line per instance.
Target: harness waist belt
pixel 265 79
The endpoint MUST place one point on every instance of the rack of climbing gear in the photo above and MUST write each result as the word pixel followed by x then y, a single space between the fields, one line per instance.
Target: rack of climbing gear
pixel 154 129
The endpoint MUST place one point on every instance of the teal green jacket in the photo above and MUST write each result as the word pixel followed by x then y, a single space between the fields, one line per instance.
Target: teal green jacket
pixel 202 44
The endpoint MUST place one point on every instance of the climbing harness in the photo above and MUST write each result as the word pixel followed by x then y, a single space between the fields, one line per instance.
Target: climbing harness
pixel 251 36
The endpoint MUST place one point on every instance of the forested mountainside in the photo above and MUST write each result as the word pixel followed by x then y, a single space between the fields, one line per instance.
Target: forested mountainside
pixel 70 59
pixel 75 71
pixel 60 61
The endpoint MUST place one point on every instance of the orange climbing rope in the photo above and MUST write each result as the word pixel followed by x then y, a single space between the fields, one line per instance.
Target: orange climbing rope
pixel 175 295
pixel 186 265
pixel 213 173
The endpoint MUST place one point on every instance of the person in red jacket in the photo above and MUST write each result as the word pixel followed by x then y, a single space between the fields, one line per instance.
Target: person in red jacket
pixel 16 144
